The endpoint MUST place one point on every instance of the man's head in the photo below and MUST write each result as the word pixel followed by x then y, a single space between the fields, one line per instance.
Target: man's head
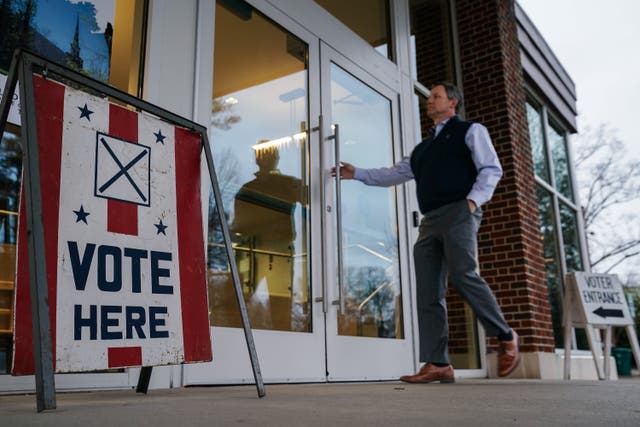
pixel 267 159
pixel 444 101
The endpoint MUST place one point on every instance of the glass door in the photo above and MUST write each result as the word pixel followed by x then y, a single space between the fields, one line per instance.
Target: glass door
pixel 368 322
pixel 265 94
pixel 276 90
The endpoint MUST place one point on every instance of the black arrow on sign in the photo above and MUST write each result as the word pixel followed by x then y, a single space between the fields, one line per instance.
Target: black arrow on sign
pixel 603 312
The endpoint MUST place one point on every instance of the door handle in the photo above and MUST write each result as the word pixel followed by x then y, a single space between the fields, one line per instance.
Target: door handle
pixel 336 140
pixel 320 128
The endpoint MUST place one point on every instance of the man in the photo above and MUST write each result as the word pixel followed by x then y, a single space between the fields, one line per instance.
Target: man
pixel 456 171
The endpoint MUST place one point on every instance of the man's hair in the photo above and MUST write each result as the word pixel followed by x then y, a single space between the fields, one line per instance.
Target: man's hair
pixel 452 93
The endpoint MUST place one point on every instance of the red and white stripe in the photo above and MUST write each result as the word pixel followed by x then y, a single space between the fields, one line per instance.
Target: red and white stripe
pixel 67 162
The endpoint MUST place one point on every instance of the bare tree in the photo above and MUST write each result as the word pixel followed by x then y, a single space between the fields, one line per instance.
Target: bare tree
pixel 609 184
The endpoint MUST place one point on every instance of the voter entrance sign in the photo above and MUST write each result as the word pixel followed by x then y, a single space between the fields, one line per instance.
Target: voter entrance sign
pixel 111 267
pixel 594 302
pixel 602 299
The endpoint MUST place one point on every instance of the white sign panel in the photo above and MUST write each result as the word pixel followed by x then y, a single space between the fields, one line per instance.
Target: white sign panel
pixel 602 299
pixel 123 234
pixel 14 112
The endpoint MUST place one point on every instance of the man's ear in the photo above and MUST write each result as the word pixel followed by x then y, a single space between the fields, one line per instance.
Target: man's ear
pixel 455 103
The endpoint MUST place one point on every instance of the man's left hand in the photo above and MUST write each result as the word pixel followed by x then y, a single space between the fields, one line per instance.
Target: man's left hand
pixel 472 205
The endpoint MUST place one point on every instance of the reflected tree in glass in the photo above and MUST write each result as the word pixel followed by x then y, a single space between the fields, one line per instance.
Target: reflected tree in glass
pixel 570 238
pixel 536 136
pixel 558 145
pixel 10 175
pixel 552 262
pixel 259 143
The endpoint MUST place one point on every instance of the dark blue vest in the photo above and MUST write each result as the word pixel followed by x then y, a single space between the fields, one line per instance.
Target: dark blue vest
pixel 443 168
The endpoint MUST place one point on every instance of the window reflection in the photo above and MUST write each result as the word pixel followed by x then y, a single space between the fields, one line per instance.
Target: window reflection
pixel 259 140
pixel 558 145
pixel 432 55
pixel 536 136
pixel 420 111
pixel 570 238
pixel 555 143
pixel 101 38
pixel 10 169
pixel 373 302
pixel 370 19
pixel 552 263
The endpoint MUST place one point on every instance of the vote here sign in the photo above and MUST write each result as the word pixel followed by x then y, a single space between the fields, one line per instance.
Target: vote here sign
pixel 123 236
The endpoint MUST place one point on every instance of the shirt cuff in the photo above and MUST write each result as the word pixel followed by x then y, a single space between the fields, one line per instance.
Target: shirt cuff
pixel 474 197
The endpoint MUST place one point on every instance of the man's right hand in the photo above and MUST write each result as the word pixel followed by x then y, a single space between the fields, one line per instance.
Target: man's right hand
pixel 347 170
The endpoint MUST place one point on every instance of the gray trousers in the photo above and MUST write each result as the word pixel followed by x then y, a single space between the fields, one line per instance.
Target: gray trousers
pixel 447 242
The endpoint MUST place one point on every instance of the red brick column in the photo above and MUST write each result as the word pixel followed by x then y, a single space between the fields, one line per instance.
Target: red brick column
pixel 510 243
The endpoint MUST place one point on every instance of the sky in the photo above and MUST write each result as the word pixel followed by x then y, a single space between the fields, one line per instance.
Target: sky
pixel 597 43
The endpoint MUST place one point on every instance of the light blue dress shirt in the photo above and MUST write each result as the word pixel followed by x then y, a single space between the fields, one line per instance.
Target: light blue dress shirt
pixel 482 153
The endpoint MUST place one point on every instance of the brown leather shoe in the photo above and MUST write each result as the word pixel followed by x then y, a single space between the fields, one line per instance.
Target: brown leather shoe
pixel 508 356
pixel 430 373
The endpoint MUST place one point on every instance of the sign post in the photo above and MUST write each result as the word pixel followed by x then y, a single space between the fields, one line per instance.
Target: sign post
pixel 112 210
pixel 596 301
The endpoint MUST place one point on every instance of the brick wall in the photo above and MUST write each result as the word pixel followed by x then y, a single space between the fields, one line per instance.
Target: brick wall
pixel 434 57
pixel 430 29
pixel 510 243
pixel 433 48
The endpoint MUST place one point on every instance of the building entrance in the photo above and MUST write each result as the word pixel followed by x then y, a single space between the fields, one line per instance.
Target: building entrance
pixel 320 262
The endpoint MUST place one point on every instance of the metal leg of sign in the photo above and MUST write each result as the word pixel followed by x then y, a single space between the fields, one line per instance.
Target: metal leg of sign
pixel 607 353
pixel 234 270
pixel 568 329
pixel 594 345
pixel 143 379
pixel 42 350
pixel 633 340
pixel 567 352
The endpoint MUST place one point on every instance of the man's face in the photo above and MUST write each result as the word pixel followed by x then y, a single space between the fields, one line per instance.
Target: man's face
pixel 439 106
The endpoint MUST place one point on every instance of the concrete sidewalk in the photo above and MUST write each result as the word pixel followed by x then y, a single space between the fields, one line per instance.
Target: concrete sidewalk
pixel 468 402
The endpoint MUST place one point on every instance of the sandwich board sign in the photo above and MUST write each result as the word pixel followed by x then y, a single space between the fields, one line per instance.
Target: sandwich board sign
pixel 111 267
pixel 123 231
pixel 596 301
pixel 601 299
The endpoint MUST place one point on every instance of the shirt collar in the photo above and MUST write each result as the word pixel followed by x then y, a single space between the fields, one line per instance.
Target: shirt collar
pixel 441 125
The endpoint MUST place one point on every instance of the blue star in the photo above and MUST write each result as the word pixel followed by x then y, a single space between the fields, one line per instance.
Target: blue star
pixel 160 137
pixel 81 215
pixel 161 227
pixel 85 112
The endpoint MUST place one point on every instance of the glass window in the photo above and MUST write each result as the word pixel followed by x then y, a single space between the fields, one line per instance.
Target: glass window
pixel 432 56
pixel 420 111
pixel 558 145
pixel 259 139
pixel 374 26
pixel 548 198
pixel 101 38
pixel 10 169
pixel 570 238
pixel 371 275
pixel 552 262
pixel 536 136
